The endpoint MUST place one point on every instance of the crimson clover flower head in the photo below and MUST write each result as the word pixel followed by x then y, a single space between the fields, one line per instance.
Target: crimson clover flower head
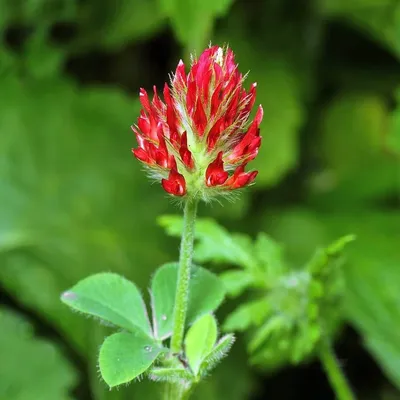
pixel 199 140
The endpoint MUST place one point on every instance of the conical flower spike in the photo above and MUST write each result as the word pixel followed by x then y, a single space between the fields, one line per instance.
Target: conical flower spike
pixel 198 141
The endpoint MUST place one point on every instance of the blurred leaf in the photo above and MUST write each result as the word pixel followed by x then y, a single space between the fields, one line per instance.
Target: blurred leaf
pixel 215 243
pixel 31 11
pixel 21 275
pixel 321 263
pixel 27 45
pixel 236 282
pixel 42 59
pixel 292 307
pixel 352 132
pixel 371 274
pixel 269 254
pixel 124 356
pixel 193 20
pixel 60 169
pixel 373 281
pixel 353 147
pixel 373 306
pixel 378 18
pixel 31 368
pixel 247 314
pixel 393 135
pixel 111 298
pixel 200 340
pixel 163 290
pixel 118 22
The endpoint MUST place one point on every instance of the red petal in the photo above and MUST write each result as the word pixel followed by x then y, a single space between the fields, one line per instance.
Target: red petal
pixel 240 178
pixel 141 155
pixel 171 162
pixel 250 141
pixel 157 103
pixel 151 129
pixel 185 153
pixel 252 96
pixel 200 118
pixel 230 61
pixel 191 96
pixel 175 184
pixel 214 134
pixel 144 124
pixel 171 117
pixel 259 116
pixel 141 141
pixel 180 75
pixel 144 100
pixel 215 174
pixel 162 157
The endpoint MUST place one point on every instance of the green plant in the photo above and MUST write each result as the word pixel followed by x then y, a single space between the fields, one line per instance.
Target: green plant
pixel 197 145
pixel 291 313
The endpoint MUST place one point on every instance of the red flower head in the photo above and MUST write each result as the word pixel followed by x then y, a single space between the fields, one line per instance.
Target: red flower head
pixel 198 141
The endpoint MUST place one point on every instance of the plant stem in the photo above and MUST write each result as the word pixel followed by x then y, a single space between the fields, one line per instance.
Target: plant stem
pixel 335 374
pixel 174 391
pixel 182 289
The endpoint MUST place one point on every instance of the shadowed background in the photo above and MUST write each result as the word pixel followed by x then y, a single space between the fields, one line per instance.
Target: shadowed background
pixel 73 201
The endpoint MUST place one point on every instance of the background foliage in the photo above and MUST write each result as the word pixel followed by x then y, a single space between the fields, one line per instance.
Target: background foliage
pixel 73 202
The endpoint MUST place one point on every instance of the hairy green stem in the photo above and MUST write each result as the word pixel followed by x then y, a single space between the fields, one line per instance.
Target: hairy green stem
pixel 185 262
pixel 334 372
pixel 174 391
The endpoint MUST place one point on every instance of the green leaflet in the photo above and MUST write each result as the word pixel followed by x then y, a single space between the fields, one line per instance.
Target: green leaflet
pixel 200 340
pixel 111 298
pixel 124 356
pixel 163 288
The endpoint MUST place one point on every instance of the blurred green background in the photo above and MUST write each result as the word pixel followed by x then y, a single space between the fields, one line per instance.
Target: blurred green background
pixel 73 201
